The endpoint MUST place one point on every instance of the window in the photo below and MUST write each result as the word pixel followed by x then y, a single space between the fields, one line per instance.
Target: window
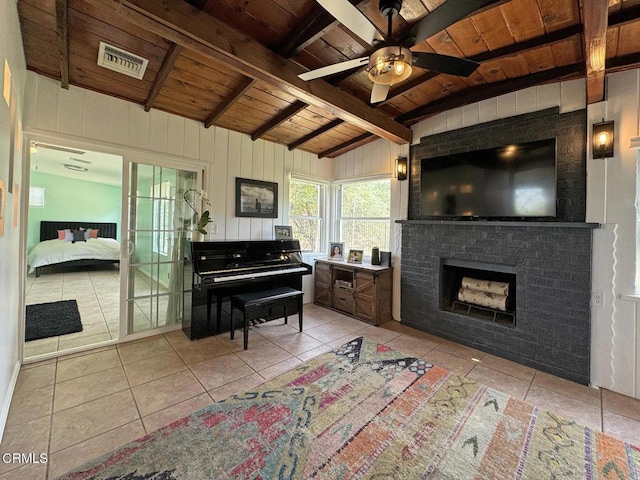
pixel 36 197
pixel 364 214
pixel 306 199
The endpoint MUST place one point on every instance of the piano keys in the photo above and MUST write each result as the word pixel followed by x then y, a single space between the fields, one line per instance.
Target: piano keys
pixel 219 270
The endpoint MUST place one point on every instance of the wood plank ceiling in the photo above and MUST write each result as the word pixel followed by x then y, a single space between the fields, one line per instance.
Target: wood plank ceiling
pixel 234 63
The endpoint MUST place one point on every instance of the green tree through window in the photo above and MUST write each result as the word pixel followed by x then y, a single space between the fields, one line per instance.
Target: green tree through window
pixel 365 214
pixel 305 214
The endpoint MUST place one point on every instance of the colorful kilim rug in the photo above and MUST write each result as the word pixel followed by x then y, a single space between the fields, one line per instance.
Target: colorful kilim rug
pixel 366 411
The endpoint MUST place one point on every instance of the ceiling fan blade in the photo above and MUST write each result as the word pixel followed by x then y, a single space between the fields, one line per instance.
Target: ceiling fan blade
pixel 352 18
pixel 444 16
pixel 379 92
pixel 335 68
pixel 445 64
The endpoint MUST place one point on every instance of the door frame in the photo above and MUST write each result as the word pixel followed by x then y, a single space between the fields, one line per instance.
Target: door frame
pixel 127 154
pixel 201 175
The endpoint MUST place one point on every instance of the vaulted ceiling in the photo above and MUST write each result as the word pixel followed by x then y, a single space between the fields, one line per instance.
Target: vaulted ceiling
pixel 235 63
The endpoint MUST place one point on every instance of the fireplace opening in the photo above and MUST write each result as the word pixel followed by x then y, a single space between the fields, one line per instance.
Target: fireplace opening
pixel 481 290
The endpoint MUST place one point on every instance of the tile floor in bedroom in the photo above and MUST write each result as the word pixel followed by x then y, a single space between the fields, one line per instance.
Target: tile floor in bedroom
pixel 97 292
pixel 79 406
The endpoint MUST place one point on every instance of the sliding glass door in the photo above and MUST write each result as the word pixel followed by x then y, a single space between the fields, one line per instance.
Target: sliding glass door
pixel 158 218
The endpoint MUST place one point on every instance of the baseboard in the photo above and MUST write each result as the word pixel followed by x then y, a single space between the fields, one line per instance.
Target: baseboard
pixel 4 413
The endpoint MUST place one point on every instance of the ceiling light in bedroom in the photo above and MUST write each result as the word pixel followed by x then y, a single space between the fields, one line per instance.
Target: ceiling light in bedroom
pixel 71 159
pixel 75 168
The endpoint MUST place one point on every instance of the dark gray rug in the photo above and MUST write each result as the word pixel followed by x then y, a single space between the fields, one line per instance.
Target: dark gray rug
pixel 52 319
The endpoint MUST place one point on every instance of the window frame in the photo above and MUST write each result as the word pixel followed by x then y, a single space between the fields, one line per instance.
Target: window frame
pixel 337 206
pixel 322 208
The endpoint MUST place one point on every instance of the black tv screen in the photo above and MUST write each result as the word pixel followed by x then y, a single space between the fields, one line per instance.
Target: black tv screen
pixel 516 180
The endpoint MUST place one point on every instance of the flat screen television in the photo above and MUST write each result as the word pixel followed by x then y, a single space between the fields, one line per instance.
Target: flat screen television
pixel 511 181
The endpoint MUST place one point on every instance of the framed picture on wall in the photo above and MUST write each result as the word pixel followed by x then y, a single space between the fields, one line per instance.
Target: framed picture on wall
pixel 255 198
pixel 283 232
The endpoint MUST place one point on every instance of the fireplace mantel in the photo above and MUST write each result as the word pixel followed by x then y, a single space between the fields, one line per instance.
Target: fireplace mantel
pixel 496 223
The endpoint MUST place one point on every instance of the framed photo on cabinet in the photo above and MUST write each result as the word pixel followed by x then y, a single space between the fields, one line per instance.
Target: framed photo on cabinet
pixel 336 251
pixel 283 232
pixel 355 256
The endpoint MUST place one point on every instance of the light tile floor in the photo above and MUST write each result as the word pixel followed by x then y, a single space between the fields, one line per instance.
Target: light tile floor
pixel 79 406
pixel 97 292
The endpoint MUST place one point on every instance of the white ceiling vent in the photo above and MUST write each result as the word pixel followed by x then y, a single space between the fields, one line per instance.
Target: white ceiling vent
pixel 121 61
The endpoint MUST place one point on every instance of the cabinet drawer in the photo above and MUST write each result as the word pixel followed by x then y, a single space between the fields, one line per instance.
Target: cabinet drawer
pixel 343 299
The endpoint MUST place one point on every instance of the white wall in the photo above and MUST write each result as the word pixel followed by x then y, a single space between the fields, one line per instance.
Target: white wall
pixel 611 201
pixel 10 275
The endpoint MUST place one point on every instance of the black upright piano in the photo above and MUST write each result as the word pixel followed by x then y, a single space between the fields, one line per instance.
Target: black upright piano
pixel 221 269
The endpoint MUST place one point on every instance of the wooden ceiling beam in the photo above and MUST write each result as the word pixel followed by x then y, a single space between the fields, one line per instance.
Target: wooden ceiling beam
pixel 178 22
pixel 245 85
pixel 199 4
pixel 313 27
pixel 310 136
pixel 623 63
pixel 628 15
pixel 62 30
pixel 167 66
pixel 595 47
pixel 280 118
pixel 348 145
pixel 484 92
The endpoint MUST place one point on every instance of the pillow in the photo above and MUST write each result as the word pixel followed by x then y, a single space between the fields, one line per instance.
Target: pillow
pixel 87 233
pixel 78 236
pixel 61 234
pixel 68 236
pixel 94 233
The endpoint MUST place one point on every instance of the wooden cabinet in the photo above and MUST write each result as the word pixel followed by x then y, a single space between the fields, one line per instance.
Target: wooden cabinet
pixel 322 284
pixel 361 291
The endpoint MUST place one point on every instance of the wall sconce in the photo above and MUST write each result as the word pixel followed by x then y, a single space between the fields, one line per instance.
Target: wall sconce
pixel 603 139
pixel 401 168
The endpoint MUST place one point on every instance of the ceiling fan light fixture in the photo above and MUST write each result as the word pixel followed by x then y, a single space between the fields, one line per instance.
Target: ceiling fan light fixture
pixel 389 65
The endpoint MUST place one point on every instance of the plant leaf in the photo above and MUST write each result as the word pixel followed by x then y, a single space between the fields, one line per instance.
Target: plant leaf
pixel 204 219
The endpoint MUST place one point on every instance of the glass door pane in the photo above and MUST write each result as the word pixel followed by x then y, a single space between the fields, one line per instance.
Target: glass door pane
pixel 156 241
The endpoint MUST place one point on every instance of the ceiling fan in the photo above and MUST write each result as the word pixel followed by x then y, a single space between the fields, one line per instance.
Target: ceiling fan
pixel 392 63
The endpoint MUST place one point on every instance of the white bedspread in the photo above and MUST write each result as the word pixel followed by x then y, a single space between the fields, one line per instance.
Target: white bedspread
pixel 51 252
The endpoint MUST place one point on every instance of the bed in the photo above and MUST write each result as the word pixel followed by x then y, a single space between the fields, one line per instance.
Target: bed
pixel 97 249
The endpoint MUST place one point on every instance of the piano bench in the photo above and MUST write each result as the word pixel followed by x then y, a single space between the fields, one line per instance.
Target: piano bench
pixel 254 305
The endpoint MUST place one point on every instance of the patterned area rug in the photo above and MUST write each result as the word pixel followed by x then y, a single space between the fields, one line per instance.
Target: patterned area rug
pixel 366 411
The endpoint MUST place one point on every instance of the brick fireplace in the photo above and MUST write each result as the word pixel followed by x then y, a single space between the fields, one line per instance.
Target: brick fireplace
pixel 547 262
pixel 553 284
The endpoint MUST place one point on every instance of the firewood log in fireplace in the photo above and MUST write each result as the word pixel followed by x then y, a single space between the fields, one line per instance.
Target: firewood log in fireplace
pixel 500 288
pixel 483 299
